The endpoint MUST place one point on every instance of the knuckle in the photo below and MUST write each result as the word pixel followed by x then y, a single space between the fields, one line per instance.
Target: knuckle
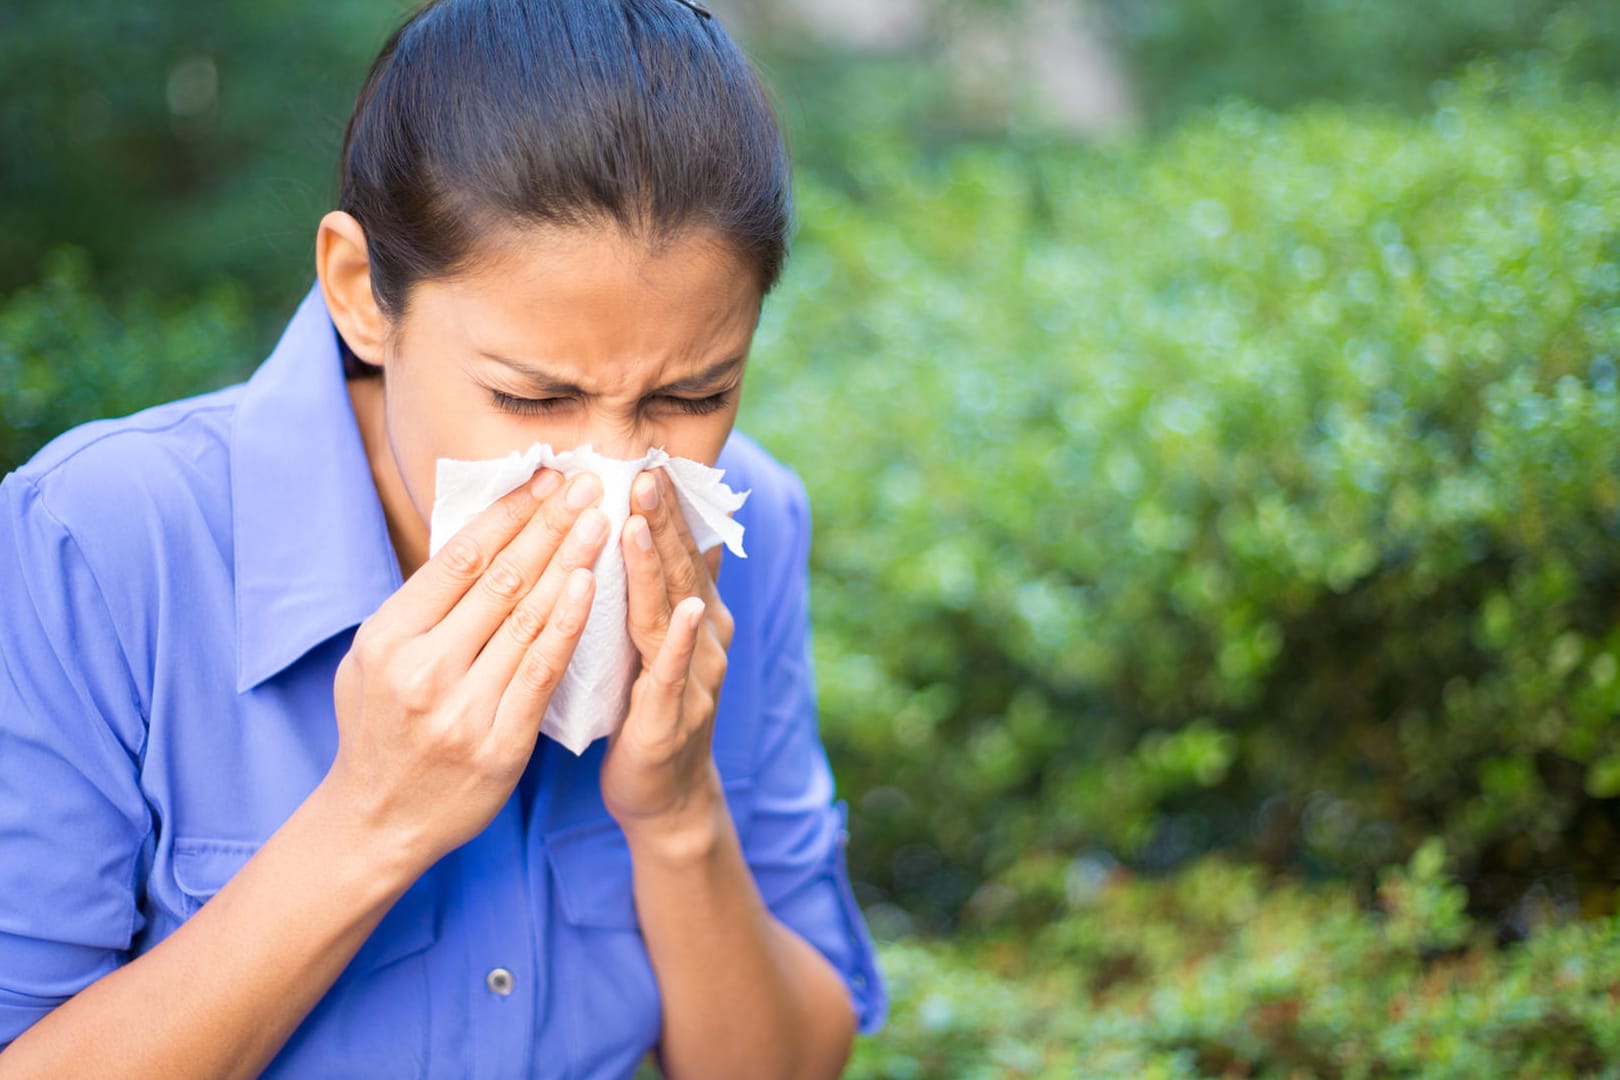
pixel 569 619
pixel 367 649
pixel 525 623
pixel 670 684
pixel 538 673
pixel 450 740
pixel 461 556
pixel 503 580
pixel 684 579
pixel 516 512
pixel 557 520
pixel 416 685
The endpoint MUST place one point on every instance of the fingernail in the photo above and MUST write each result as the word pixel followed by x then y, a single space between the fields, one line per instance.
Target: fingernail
pixel 642 534
pixel 649 493
pixel 695 616
pixel 591 525
pixel 547 482
pixel 583 491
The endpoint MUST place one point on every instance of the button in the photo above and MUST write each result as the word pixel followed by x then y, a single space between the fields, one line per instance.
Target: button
pixel 499 980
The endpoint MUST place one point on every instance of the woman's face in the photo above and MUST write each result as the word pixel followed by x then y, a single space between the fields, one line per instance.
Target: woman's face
pixel 567 336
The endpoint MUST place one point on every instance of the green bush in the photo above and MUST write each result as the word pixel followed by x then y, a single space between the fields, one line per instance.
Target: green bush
pixel 67 357
pixel 1281 53
pixel 1220 971
pixel 1255 486
pixel 177 143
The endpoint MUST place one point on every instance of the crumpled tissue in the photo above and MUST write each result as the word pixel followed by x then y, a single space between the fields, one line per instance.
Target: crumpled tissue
pixel 594 692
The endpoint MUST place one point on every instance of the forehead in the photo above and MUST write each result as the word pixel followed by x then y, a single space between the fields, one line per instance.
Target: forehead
pixel 592 303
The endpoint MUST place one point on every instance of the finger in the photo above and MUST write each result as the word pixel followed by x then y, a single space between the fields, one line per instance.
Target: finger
pixel 710 559
pixel 646 590
pixel 684 570
pixel 709 658
pixel 566 521
pixel 683 529
pixel 528 617
pixel 530 681
pixel 656 710
pixel 445 578
pixel 579 551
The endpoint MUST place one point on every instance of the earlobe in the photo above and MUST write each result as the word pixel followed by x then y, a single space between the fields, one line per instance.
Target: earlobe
pixel 344 269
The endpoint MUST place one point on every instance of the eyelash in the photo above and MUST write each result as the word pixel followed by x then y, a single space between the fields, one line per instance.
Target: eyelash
pixel 523 406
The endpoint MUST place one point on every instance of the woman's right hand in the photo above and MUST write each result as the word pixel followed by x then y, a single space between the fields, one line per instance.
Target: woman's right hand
pixel 440 698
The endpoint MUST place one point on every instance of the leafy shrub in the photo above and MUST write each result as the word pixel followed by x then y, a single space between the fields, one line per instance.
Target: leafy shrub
pixel 1220 971
pixel 1281 53
pixel 1254 486
pixel 177 143
pixel 67 357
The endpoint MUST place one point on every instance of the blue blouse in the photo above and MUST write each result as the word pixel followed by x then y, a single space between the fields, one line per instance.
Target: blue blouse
pixel 176 590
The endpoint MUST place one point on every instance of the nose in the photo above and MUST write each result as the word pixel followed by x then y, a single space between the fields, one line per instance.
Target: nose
pixel 615 438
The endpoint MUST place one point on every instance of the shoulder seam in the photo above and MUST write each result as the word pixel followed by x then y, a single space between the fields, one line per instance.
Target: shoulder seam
pixel 113 434
pixel 135 698
pixel 101 594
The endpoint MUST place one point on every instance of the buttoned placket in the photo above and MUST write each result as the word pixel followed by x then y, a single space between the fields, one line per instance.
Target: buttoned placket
pixel 499 967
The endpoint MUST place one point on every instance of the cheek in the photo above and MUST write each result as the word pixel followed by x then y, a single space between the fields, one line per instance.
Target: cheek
pixel 698 437
pixel 427 421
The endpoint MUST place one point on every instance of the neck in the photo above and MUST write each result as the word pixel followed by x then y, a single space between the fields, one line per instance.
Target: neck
pixel 405 526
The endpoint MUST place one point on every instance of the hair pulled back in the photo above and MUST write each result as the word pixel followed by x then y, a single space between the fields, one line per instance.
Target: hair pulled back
pixel 483 115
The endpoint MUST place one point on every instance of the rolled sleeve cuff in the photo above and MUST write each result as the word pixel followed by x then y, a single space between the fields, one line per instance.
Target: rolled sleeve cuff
pixel 822 908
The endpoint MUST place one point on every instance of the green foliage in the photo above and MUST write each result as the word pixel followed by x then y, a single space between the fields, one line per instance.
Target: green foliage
pixel 1281 53
pixel 67 357
pixel 1256 485
pixel 1222 972
pixel 177 143
pixel 1247 485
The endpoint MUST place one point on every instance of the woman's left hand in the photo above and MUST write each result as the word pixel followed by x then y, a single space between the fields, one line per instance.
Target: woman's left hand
pixel 658 773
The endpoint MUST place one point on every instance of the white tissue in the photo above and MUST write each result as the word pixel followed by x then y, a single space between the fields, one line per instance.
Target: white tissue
pixel 591 699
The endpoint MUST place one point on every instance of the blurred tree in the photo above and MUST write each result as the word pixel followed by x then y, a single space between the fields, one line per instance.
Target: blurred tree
pixel 1280 53
pixel 177 143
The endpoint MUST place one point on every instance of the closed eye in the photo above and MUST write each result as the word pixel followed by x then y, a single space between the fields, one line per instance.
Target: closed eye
pixel 523 406
pixel 696 406
pixel 527 406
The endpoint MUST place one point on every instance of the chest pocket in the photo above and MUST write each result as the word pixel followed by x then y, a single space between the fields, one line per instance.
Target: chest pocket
pixel 605 992
pixel 590 863
pixel 374 1020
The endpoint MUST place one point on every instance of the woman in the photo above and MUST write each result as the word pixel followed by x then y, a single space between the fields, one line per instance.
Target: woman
pixel 272 797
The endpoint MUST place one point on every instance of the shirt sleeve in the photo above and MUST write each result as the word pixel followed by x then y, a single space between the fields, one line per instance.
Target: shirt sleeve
pixel 796 835
pixel 72 818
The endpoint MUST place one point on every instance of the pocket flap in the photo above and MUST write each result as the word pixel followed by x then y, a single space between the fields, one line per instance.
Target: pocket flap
pixel 590 861
pixel 410 926
pixel 591 864
pixel 202 867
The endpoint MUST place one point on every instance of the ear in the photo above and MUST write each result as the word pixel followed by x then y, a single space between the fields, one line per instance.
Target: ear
pixel 344 269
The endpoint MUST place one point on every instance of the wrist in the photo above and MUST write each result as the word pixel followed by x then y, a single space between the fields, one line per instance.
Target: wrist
pixel 385 860
pixel 686 834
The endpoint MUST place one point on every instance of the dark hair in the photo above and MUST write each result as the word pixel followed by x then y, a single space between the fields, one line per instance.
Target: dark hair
pixel 479 114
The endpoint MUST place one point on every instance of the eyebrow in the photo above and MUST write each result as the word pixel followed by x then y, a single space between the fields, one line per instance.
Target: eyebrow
pixel 546 383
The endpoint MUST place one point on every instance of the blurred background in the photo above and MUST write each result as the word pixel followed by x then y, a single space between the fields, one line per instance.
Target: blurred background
pixel 1210 415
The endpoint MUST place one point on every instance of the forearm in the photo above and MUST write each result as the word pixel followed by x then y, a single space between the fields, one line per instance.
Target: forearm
pixel 744 995
pixel 222 994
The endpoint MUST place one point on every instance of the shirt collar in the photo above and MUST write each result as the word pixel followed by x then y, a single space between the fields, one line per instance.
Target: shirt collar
pixel 313 554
